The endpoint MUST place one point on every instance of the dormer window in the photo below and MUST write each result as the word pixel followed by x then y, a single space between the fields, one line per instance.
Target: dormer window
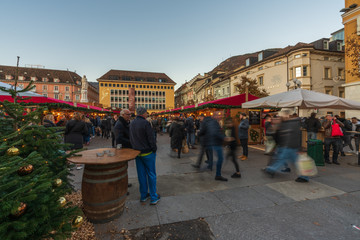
pixel 33 78
pixel 22 78
pixel 8 77
pixel 247 62
pixel 339 46
pixel 44 79
pixel 326 45
pixel 260 56
pixel 56 80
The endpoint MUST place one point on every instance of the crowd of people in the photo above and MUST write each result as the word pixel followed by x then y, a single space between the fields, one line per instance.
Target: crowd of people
pixel 282 135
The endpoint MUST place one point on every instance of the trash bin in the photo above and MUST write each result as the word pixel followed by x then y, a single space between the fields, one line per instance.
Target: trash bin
pixel 315 151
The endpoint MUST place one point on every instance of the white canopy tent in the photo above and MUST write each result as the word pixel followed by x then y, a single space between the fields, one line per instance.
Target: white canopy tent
pixel 304 99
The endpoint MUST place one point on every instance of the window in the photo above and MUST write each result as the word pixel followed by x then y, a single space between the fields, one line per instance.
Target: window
pixel 45 95
pixel 298 72
pixel 33 78
pixel 261 80
pixel 297 56
pixel 304 71
pixel 56 88
pixel 101 84
pixel 44 79
pixel 341 73
pixel 105 84
pixel 126 85
pixel 122 85
pixel 247 62
pixel 21 86
pixel 327 73
pixel 338 46
pixel 77 97
pixel 44 87
pixel 304 54
pixel 117 85
pixel 278 63
pixel 56 96
pixel 341 93
pixel 67 98
pixel 326 44
pixel 126 78
pixel 68 88
pixel 56 80
pixel 260 68
pixel 21 78
pixel 260 56
pixel 8 77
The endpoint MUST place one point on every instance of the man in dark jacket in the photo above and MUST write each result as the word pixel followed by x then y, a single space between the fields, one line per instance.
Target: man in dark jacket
pixel 288 130
pixel 190 130
pixel 330 140
pixel 204 149
pixel 113 121
pixel 243 133
pixel 312 126
pixel 142 139
pixel 121 129
pixel 213 138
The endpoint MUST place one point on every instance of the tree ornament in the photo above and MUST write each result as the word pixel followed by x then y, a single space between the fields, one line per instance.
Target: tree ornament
pixel 13 151
pixel 25 170
pixel 20 210
pixel 62 201
pixel 57 182
pixel 77 221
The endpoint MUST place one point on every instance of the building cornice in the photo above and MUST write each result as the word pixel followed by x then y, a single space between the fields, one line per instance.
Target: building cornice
pixel 134 82
pixel 351 84
pixel 350 13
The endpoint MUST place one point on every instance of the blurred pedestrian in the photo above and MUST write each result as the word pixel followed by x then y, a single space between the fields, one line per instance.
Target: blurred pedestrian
pixel 74 131
pixel 213 139
pixel 142 139
pixel 87 135
pixel 113 121
pixel 355 126
pixel 176 132
pixel 204 148
pixel 288 146
pixel 190 132
pixel 49 121
pixel 331 140
pixel 230 139
pixel 62 121
pixel 244 135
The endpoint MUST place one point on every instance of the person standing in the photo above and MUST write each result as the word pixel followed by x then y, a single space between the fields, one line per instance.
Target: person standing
pixel 312 126
pixel 121 129
pixel 330 140
pixel 75 131
pixel 190 130
pixel 244 135
pixel 142 139
pixel 176 132
pixel 204 149
pixel 213 138
pixel 113 121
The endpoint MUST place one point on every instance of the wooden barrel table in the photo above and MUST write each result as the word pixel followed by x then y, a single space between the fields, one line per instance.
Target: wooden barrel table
pixel 105 182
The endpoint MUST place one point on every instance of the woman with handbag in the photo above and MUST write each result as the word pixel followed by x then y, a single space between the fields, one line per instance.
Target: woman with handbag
pixel 333 133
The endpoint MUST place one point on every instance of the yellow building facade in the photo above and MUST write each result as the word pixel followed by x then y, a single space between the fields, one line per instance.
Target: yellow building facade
pixel 154 91
pixel 351 22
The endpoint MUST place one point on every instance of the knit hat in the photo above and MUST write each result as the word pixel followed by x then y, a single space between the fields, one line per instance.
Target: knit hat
pixel 141 111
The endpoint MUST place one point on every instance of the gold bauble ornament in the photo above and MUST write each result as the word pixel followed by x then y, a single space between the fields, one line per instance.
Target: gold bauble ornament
pixel 13 151
pixel 25 170
pixel 57 182
pixel 77 221
pixel 62 201
pixel 20 210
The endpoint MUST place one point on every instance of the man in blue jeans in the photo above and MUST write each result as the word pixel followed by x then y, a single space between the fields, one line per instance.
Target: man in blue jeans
pixel 142 139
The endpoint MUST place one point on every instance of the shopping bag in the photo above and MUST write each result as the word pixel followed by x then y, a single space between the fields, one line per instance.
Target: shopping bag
pixel 185 147
pixel 270 144
pixel 305 165
pixel 336 130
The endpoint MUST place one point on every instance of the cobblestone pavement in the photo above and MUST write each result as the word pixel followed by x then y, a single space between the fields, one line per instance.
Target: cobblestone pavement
pixel 253 207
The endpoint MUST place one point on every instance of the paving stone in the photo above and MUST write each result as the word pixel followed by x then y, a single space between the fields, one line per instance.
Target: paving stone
pixel 304 191
pixel 238 199
pixel 135 215
pixel 274 196
pixel 191 206
pixel 346 182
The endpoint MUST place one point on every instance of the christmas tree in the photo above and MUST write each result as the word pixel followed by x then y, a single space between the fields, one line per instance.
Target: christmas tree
pixel 252 87
pixel 33 175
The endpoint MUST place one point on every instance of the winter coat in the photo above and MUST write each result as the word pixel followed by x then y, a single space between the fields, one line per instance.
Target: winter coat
pixel 74 132
pixel 142 135
pixel 328 129
pixel 313 125
pixel 244 129
pixel 211 132
pixel 176 133
pixel 122 133
pixel 189 125
pixel 48 123
pixel 289 133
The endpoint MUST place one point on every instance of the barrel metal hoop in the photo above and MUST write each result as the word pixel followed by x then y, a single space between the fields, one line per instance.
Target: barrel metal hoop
pixel 87 180
pixel 88 166
pixel 92 173
pixel 105 203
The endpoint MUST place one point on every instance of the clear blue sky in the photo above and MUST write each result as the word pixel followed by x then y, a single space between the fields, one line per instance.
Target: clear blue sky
pixel 180 38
